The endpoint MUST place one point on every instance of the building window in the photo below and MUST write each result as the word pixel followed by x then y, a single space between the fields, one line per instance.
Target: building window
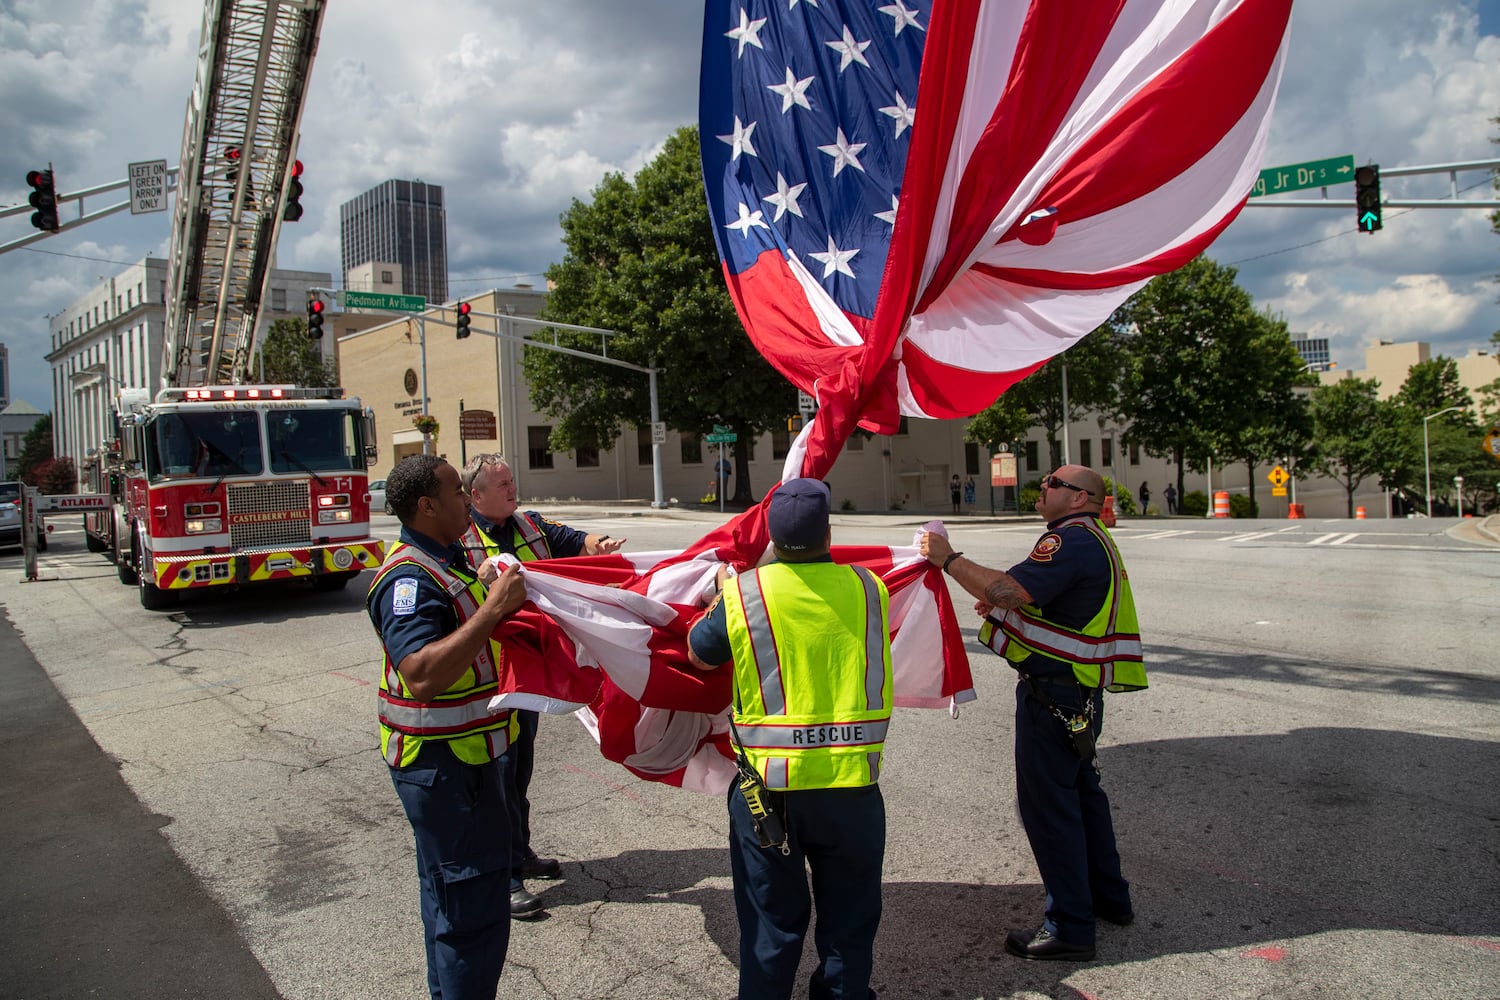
pixel 692 449
pixel 386 277
pixel 538 455
pixel 278 300
pixel 1135 453
pixel 643 445
pixel 902 430
pixel 1032 463
pixel 1107 452
pixel 586 456
pixel 1086 453
pixel 971 458
pixel 781 443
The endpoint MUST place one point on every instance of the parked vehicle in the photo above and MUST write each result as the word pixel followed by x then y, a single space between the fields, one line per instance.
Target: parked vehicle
pixel 10 496
pixel 10 526
pixel 377 496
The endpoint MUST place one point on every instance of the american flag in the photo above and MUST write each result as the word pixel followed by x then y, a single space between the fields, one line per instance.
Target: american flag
pixel 919 202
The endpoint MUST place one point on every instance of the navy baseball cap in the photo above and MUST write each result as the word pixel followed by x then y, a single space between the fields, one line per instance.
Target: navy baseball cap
pixel 798 515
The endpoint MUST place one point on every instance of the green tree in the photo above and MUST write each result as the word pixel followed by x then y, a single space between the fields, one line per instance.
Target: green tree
pixel 288 356
pixel 1433 385
pixel 1189 333
pixel 1003 422
pixel 640 260
pixel 1093 366
pixel 36 447
pixel 1346 418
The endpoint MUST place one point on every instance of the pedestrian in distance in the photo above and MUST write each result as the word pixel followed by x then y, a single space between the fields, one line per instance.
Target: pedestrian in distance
pixel 955 490
pixel 1145 494
pixel 812 701
pixel 723 469
pixel 969 493
pixel 498 526
pixel 1170 495
pixel 1065 619
pixel 436 623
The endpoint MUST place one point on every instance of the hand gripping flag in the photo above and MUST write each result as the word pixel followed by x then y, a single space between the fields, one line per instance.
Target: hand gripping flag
pixel 919 202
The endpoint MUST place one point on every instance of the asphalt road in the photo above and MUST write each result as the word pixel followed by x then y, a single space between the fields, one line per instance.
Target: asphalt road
pixel 1305 797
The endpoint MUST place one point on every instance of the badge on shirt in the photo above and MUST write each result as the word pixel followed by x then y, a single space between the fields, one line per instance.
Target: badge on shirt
pixel 404 597
pixel 1046 547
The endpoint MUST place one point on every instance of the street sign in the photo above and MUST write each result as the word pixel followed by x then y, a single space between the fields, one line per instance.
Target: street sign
pixel 805 403
pixel 1278 477
pixel 1299 176
pixel 659 432
pixel 730 438
pixel 1003 469
pixel 1278 491
pixel 72 501
pixel 383 301
pixel 721 429
pixel 477 425
pixel 148 187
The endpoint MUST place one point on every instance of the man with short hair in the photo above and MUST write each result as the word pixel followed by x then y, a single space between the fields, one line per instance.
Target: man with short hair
pixel 499 527
pixel 1065 619
pixel 436 623
pixel 810 644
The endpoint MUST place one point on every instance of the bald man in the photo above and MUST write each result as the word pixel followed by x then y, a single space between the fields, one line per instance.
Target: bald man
pixel 1064 618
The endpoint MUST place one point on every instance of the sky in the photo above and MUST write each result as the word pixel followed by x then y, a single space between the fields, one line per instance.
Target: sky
pixel 519 108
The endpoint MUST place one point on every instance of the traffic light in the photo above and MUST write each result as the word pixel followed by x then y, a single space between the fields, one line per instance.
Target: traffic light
pixel 44 200
pixel 293 210
pixel 794 424
pixel 463 319
pixel 315 309
pixel 1367 198
pixel 232 175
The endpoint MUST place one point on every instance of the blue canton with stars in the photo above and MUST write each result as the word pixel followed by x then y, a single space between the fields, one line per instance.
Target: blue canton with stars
pixel 805 118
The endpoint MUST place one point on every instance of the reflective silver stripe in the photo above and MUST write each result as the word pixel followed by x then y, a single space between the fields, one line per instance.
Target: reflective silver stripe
pixel 498 741
pixel 393 749
pixel 874 641
pixel 1070 645
pixel 763 642
pixel 436 718
pixel 776 773
pixel 873 759
pixel 534 537
pixel 823 734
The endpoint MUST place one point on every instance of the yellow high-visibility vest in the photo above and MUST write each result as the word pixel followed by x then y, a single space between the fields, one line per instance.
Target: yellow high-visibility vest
pixel 529 542
pixel 812 672
pixel 1105 653
pixel 461 715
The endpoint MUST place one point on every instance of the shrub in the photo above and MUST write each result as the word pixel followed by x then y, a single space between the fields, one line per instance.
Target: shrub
pixel 1194 504
pixel 1124 503
pixel 847 505
pixel 1240 506
pixel 55 475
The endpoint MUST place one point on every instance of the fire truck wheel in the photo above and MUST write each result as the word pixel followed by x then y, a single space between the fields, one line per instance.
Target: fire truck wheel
pixel 125 568
pixel 92 543
pixel 153 598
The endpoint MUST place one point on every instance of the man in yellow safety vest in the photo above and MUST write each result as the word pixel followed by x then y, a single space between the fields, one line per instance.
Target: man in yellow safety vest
pixel 1064 618
pixel 810 645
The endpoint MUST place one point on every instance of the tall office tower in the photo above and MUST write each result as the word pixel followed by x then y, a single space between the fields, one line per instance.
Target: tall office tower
pixel 4 377
pixel 402 222
pixel 1314 351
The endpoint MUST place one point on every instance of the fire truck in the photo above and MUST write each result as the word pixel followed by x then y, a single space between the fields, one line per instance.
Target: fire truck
pixel 234 485
pixel 216 480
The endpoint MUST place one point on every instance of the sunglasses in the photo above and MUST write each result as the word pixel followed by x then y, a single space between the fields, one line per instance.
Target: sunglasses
pixel 1052 483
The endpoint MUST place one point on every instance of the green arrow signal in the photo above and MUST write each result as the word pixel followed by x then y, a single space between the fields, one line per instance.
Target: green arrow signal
pixel 1368 220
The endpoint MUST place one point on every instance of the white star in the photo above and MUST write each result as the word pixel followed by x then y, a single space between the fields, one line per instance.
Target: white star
pixel 889 218
pixel 835 259
pixel 851 50
pixel 748 33
pixel 785 198
pixel 903 115
pixel 746 220
pixel 793 3
pixel 844 153
pixel 794 91
pixel 740 139
pixel 902 16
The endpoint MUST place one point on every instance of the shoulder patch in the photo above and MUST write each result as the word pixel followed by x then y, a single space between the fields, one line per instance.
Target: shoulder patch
pixel 1046 547
pixel 404 597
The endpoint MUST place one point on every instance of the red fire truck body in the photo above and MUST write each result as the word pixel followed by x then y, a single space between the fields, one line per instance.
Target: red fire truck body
pixel 236 485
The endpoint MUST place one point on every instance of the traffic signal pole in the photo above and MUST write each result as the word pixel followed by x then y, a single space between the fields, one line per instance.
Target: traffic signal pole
pixel 1452 201
pixel 83 215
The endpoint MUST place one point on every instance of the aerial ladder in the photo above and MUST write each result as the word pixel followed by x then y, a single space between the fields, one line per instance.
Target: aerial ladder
pixel 239 144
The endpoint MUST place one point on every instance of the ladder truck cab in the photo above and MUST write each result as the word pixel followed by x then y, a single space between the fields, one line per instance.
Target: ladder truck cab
pixel 230 485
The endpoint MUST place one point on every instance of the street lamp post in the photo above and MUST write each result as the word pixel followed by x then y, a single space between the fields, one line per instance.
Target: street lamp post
pixel 1427 452
pixel 1458 487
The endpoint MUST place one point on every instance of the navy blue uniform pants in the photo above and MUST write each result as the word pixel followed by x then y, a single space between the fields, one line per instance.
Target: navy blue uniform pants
pixel 457 812
pixel 1066 813
pixel 519 761
pixel 839 833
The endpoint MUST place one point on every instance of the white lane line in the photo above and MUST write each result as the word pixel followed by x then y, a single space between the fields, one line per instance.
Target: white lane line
pixel 1335 538
pixel 1347 538
pixel 1246 538
pixel 1165 534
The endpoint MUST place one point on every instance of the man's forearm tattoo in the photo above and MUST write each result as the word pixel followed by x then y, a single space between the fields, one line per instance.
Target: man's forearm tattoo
pixel 1006 593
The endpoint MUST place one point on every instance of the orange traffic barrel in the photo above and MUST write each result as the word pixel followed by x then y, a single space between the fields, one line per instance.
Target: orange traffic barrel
pixel 1359 513
pixel 1221 503
pixel 1107 515
pixel 1294 510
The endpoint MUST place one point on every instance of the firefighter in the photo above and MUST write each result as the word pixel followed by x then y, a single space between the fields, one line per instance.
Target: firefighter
pixel 436 622
pixel 810 644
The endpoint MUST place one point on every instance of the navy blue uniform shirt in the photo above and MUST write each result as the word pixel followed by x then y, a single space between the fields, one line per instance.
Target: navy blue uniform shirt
pixel 408 607
pixel 562 541
pixel 1067 575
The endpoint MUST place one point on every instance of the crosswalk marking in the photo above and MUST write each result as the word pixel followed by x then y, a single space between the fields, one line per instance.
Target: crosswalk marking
pixel 1335 538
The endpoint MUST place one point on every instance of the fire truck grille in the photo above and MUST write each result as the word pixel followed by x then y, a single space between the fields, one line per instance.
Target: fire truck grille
pixel 268 514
